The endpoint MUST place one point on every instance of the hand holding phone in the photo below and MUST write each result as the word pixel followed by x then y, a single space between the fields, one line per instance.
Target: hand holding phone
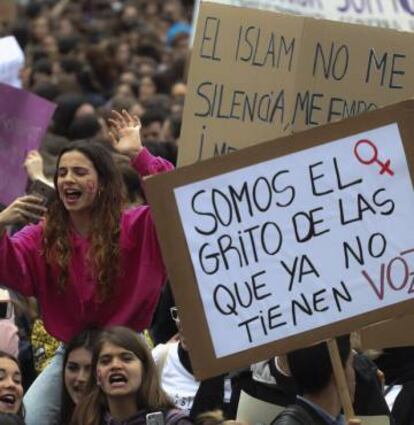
pixel 43 190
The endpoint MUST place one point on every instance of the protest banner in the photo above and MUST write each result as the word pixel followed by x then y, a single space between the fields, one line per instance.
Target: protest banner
pixel 11 61
pixel 284 244
pixel 256 76
pixel 24 118
pixel 395 14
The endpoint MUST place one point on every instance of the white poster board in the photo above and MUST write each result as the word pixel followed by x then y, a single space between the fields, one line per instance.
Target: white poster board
pixel 11 61
pixel 320 220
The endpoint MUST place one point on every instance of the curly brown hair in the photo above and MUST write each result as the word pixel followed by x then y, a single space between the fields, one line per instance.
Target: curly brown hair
pixel 104 253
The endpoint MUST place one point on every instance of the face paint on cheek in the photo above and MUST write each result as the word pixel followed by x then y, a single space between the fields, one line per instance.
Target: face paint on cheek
pixel 90 187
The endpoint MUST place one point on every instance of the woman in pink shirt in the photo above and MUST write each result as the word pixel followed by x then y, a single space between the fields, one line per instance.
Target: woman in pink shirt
pixel 89 263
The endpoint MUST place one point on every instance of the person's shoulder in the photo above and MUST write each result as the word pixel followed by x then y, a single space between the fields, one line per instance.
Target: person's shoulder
pixel 295 414
pixel 131 213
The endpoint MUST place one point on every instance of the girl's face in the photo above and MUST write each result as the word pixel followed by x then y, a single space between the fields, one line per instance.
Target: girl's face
pixel 77 372
pixel 11 390
pixel 118 371
pixel 77 181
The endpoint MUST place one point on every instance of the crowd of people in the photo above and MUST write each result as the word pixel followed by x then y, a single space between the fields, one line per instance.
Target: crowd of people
pixel 89 331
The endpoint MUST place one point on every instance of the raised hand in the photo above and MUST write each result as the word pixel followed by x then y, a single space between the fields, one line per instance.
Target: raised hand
pixel 23 210
pixel 34 166
pixel 125 133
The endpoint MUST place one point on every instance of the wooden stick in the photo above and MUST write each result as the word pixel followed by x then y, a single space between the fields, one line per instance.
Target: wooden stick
pixel 340 379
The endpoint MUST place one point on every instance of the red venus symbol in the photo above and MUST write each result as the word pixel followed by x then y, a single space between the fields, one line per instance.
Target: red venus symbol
pixel 362 145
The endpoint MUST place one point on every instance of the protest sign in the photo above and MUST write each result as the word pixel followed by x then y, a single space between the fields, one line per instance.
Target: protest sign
pixel 24 118
pixel 11 61
pixel 391 333
pixel 396 14
pixel 284 244
pixel 256 76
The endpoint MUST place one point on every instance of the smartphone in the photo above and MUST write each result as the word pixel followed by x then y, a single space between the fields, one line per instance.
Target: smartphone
pixel 44 191
pixel 154 418
pixel 6 305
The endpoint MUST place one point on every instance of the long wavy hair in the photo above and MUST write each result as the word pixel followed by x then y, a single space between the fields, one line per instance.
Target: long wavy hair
pixel 5 355
pixel 150 396
pixel 104 254
pixel 86 339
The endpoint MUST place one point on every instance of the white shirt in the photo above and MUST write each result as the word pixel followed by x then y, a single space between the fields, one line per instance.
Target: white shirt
pixel 176 381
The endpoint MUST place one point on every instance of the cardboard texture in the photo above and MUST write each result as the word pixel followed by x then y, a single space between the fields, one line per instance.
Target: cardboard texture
pixel 160 192
pixel 257 75
pixel 391 333
pixel 396 14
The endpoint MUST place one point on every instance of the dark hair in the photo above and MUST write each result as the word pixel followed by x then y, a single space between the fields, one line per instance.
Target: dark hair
pixel 11 419
pixel 104 254
pixel 68 103
pixel 86 339
pixel 311 367
pixel 84 127
pixel 150 395
pixel 4 355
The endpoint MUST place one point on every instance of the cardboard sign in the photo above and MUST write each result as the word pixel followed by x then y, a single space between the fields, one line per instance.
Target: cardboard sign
pixel 391 333
pixel 11 61
pixel 285 244
pixel 256 76
pixel 396 14
pixel 24 118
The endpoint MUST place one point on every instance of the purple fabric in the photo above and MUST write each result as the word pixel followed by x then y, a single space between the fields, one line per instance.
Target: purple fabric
pixel 24 118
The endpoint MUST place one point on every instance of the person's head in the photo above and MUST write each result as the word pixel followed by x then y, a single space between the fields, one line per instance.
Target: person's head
pixel 311 367
pixel 40 28
pixel 89 185
pixel 68 106
pixel 84 127
pixel 77 363
pixel 152 122
pixel 124 373
pixel 147 88
pixel 11 389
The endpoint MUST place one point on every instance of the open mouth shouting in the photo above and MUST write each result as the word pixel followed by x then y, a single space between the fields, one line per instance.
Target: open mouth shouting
pixel 71 196
pixel 9 403
pixel 117 380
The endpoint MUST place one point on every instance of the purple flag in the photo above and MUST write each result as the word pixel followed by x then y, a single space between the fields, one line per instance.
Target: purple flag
pixel 24 119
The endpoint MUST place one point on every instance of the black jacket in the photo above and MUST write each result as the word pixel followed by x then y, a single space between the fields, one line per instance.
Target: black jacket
pixel 299 413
